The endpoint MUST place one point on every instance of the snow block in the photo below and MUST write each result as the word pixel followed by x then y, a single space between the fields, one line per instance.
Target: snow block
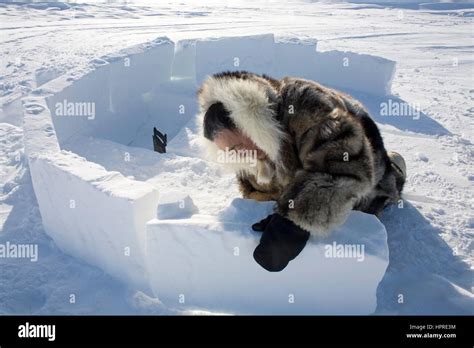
pixel 263 54
pixel 294 57
pixel 40 137
pixel 140 68
pixel 207 262
pixel 184 61
pixel 175 205
pixel 115 90
pixel 93 214
pixel 352 71
pixel 251 53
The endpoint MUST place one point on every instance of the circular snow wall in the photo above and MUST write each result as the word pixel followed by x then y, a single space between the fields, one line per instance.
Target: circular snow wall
pixel 97 180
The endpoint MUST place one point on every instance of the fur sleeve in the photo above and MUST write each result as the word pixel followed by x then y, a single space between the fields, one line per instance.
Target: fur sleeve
pixel 338 170
pixel 250 192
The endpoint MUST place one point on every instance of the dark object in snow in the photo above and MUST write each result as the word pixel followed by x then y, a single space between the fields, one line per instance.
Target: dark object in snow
pixel 159 141
pixel 280 243
pixel 260 226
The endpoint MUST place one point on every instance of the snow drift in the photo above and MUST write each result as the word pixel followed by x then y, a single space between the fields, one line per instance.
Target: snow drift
pixel 146 218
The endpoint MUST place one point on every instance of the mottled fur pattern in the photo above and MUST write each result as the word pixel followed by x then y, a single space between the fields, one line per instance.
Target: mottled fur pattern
pixel 325 154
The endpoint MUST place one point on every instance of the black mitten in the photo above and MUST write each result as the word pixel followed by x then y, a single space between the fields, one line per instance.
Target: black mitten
pixel 280 243
pixel 260 226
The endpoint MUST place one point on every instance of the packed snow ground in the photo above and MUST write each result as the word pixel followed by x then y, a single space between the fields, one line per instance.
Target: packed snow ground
pixel 430 240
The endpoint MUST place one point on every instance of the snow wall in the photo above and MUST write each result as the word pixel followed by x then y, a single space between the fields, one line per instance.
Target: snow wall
pixel 187 258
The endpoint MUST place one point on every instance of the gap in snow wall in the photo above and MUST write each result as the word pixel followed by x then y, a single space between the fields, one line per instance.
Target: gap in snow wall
pixel 95 203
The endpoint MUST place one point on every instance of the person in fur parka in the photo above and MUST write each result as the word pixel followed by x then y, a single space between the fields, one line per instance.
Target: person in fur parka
pixel 318 154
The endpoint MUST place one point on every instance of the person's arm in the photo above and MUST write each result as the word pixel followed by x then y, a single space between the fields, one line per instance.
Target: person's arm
pixel 248 190
pixel 338 170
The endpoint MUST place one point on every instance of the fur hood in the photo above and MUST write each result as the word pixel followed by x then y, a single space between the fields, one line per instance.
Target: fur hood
pixel 252 103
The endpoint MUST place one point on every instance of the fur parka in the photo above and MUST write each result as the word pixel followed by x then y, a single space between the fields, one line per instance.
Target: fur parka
pixel 325 155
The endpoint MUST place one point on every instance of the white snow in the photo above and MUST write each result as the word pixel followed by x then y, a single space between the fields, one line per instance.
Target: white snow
pixel 294 57
pixel 254 53
pixel 206 262
pixel 116 90
pixel 93 214
pixel 45 56
pixel 175 205
pixel 357 72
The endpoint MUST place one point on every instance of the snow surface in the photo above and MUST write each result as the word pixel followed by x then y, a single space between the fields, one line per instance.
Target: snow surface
pixel 206 262
pixel 430 238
